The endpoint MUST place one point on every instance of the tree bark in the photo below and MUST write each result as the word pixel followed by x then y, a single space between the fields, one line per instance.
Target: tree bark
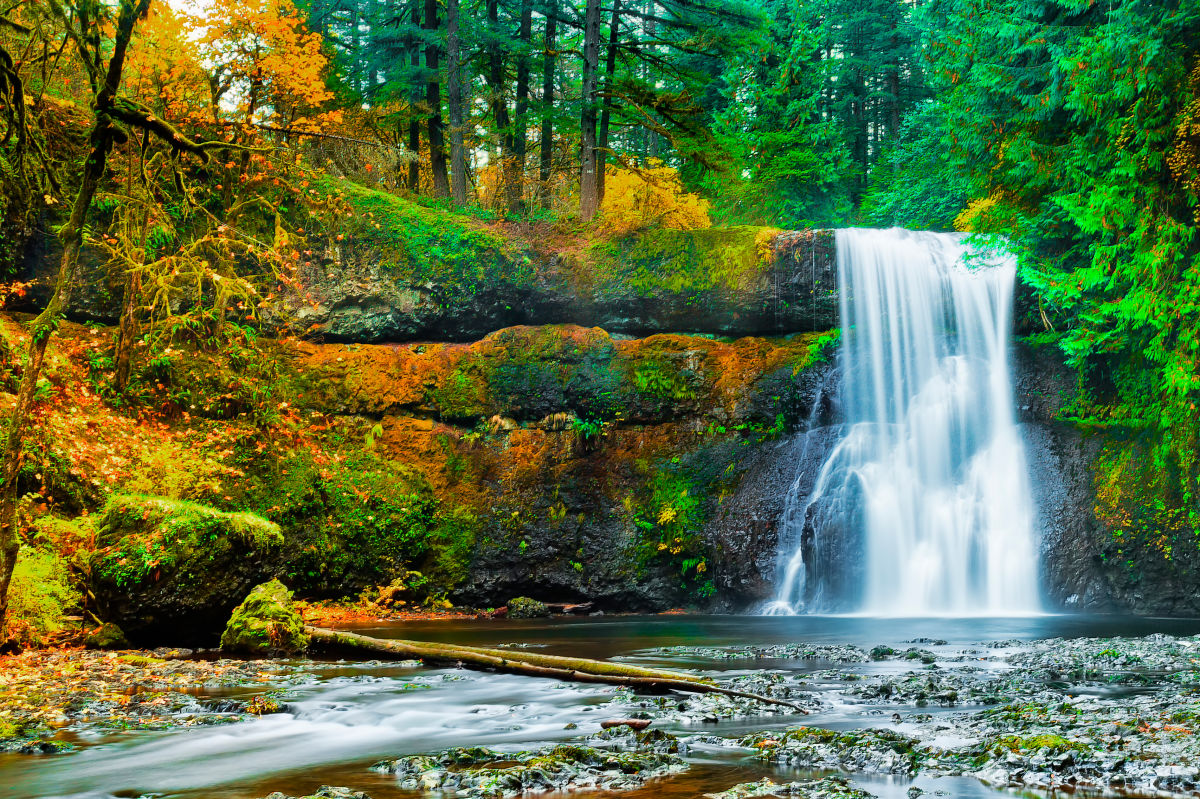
pixel 516 200
pixel 433 97
pixel 458 153
pixel 610 68
pixel 534 665
pixel 549 60
pixel 500 118
pixel 414 124
pixel 127 333
pixel 589 197
pixel 101 139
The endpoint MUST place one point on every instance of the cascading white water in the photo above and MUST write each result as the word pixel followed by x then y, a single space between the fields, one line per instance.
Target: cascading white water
pixel 929 475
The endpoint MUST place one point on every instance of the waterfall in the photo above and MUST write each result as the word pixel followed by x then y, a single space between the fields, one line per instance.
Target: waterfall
pixel 923 506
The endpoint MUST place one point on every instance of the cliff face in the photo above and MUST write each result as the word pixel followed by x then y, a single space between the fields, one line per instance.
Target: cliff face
pixel 564 422
pixel 1109 541
pixel 402 272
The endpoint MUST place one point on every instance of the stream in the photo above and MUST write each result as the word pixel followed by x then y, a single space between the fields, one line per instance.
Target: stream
pixel 345 716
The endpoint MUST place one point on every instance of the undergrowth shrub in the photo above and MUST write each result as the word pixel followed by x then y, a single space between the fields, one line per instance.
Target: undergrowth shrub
pixel 40 596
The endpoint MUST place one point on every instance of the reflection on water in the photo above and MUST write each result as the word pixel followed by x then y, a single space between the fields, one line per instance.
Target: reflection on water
pixel 354 714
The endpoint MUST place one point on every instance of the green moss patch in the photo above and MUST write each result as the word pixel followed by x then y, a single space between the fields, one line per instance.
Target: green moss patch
pixel 265 623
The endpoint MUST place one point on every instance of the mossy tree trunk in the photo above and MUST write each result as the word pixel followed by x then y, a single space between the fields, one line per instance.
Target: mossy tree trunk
pixel 105 82
pixel 534 665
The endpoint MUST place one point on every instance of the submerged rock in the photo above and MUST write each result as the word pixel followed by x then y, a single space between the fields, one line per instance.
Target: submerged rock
pixel 855 751
pixel 265 623
pixel 481 772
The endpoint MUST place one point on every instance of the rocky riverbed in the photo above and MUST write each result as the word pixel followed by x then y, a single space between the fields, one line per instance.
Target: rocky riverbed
pixel 1116 715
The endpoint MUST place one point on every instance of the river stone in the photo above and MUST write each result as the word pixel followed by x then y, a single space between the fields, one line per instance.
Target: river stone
pixel 265 623
pixel 324 792
pixel 827 788
pixel 482 772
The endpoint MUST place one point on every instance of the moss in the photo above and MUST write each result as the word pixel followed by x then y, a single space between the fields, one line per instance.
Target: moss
pixel 40 596
pixel 1035 743
pixel 108 636
pixel 523 607
pixel 265 623
pixel 679 261
pixel 427 244
pixel 141 536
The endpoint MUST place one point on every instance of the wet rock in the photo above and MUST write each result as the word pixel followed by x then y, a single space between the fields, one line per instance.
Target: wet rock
pixel 324 792
pixel 858 751
pixel 523 607
pixel 265 623
pixel 827 788
pixel 481 772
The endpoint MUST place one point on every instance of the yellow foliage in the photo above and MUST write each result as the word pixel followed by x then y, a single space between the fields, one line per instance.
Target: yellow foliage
pixel 651 197
pixel 1184 158
pixel 973 218
pixel 667 515
pixel 764 243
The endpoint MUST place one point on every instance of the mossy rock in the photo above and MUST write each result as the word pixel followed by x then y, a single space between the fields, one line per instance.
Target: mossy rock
pixel 109 636
pixel 523 607
pixel 170 572
pixel 266 623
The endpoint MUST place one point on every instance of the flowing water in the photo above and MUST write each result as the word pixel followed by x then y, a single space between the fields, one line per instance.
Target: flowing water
pixel 923 507
pixel 352 714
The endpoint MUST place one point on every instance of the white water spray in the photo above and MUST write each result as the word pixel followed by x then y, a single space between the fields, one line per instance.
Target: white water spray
pixel 930 474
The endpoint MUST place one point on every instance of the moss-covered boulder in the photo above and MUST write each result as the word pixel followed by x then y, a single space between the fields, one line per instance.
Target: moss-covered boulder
pixel 107 636
pixel 266 623
pixel 523 607
pixel 169 571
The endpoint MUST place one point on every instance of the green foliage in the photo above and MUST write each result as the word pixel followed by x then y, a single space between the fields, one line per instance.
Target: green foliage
pixel 265 623
pixel 670 518
pixel 914 185
pixel 1073 120
pixel 823 347
pixel 40 595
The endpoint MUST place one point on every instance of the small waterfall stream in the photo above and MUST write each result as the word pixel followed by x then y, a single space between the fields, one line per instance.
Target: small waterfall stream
pixel 923 506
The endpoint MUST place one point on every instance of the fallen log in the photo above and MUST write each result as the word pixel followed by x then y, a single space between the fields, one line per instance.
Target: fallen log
pixel 534 664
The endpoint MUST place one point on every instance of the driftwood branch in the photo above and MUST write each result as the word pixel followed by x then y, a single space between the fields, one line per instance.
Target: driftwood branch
pixel 535 665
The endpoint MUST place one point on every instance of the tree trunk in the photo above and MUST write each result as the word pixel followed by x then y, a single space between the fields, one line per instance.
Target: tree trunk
pixel 533 664
pixel 433 97
pixel 414 124
pixel 42 328
pixel 127 333
pixel 610 68
pixel 516 186
pixel 500 118
pixel 549 59
pixel 589 198
pixel 458 153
